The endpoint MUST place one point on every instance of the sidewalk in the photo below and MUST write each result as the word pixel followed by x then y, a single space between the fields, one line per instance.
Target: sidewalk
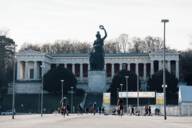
pixel 90 121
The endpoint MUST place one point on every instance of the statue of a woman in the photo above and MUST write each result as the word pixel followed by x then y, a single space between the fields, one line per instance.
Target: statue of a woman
pixel 97 54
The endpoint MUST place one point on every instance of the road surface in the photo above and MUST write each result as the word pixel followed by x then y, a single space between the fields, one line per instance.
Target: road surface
pixel 90 121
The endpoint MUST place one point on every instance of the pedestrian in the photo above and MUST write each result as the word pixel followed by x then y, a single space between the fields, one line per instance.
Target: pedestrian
pixel 87 110
pixel 120 107
pixel 146 110
pixel 132 111
pixel 157 111
pixel 100 110
pixel 103 110
pixel 67 109
pixel 58 110
pixel 94 108
pixel 149 110
pixel 63 110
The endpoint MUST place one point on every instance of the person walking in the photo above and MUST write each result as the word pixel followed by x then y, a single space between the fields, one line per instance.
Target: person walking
pixel 149 110
pixel 67 109
pixel 94 108
pixel 132 111
pixel 146 110
pixel 120 107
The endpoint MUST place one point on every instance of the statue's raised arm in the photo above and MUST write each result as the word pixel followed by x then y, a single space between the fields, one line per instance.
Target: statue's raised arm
pixel 97 55
pixel 102 27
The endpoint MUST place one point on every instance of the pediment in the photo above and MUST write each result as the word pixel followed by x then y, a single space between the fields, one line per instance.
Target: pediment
pixel 159 52
pixel 29 52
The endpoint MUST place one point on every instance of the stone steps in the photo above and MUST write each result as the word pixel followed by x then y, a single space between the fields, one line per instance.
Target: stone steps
pixel 94 97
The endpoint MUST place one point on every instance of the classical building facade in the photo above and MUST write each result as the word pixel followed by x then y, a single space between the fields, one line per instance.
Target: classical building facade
pixel 31 65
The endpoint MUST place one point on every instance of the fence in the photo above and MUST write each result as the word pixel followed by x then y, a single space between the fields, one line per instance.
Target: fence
pixel 171 110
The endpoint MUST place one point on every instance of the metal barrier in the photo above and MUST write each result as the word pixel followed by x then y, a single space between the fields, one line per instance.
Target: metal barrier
pixel 172 110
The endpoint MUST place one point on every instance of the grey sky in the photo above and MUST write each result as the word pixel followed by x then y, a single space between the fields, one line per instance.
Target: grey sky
pixel 40 21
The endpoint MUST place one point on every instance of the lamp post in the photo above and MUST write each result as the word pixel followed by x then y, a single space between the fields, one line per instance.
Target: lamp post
pixel 164 21
pixel 117 93
pixel 71 99
pixel 121 87
pixel 42 74
pixel 62 93
pixel 127 101
pixel 13 84
pixel 138 94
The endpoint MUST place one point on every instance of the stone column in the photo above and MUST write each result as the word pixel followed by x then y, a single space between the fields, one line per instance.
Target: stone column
pixel 42 66
pixel 160 65
pixel 144 71
pixel 88 66
pixel 38 71
pixel 120 67
pixel 26 71
pixel 177 69
pixel 35 70
pixel 73 68
pixel 128 66
pixel 104 66
pixel 168 66
pixel 137 68
pixel 18 70
pixel 112 70
pixel 81 71
pixel 152 68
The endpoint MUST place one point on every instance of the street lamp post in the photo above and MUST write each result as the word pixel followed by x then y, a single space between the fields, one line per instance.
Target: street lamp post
pixel 71 99
pixel 62 93
pixel 164 78
pixel 138 94
pixel 121 87
pixel 13 84
pixel 127 101
pixel 117 93
pixel 42 68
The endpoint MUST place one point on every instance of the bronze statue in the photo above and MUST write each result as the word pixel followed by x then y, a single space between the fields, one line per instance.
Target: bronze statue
pixel 97 53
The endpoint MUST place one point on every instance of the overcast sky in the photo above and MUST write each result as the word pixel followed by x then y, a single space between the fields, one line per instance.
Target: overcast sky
pixel 40 21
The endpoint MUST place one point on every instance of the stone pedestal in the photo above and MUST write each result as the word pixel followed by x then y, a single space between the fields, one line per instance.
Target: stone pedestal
pixel 96 81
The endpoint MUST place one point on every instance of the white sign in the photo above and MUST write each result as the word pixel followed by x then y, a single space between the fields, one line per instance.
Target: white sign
pixel 137 94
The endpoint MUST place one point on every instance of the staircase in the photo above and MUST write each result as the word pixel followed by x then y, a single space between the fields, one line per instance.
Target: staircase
pixel 82 104
pixel 94 97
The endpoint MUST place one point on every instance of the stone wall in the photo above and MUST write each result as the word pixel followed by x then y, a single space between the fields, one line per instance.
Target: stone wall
pixel 26 88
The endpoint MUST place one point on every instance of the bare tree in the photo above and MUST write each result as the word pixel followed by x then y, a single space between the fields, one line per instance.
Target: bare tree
pixel 148 44
pixel 59 46
pixel 137 45
pixel 46 48
pixel 27 46
pixel 153 43
pixel 112 46
pixel 121 44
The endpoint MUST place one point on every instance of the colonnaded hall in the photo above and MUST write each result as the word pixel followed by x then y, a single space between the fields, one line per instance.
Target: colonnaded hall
pixel 29 69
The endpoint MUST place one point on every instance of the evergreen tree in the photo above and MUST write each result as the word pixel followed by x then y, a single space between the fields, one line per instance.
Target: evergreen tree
pixel 120 79
pixel 52 80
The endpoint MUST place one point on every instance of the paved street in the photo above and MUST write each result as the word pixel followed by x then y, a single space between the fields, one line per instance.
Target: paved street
pixel 90 121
